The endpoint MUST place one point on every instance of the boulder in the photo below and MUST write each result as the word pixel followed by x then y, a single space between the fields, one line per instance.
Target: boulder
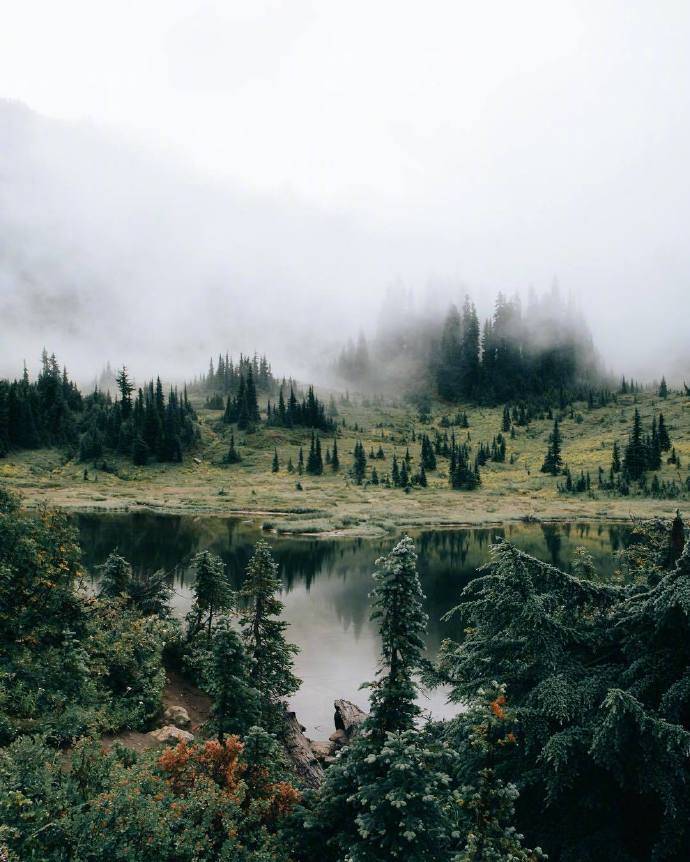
pixel 322 750
pixel 171 735
pixel 348 718
pixel 177 716
pixel 339 738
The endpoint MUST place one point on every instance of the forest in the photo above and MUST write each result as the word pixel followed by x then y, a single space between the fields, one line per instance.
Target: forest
pixel 571 744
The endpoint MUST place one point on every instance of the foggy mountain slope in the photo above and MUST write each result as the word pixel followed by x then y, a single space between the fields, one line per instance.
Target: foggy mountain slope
pixel 108 251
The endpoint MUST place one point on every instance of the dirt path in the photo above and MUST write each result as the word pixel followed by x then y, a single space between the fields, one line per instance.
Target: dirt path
pixel 177 692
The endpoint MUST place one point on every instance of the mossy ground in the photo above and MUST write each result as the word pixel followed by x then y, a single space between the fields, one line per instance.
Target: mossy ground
pixel 332 503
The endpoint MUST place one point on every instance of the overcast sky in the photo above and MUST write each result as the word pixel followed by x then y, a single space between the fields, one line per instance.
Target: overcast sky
pixel 505 143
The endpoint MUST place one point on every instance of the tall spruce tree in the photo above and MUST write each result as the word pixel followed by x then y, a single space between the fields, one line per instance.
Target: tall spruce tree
pixel 212 594
pixel 553 461
pixel 263 633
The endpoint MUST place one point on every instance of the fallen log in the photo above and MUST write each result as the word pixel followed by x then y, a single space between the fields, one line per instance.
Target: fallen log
pixel 300 752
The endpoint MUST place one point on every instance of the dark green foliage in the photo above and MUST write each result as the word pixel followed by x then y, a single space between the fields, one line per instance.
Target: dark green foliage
pixel 335 459
pixel 212 594
pixel 427 455
pixel 271 657
pixel 488 802
pixel 196 803
pixel 616 458
pixel 226 677
pixel 68 663
pixel 314 458
pixel 359 464
pixel 149 593
pixel 309 413
pixel 397 605
pixel 597 677
pixel 510 358
pixel 232 456
pixel 663 388
pixel 664 439
pixel 275 464
pixel 553 461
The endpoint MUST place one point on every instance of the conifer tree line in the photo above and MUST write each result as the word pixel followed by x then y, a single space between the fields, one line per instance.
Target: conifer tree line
pixel 224 377
pixel 541 351
pixel 143 425
pixel 290 412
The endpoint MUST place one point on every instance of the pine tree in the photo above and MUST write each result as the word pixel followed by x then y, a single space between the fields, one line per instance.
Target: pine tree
pixel 359 465
pixel 233 456
pixel 115 577
pixel 212 593
pixel 275 465
pixel 616 458
pixel 553 462
pixel 506 423
pixel 264 635
pixel 335 460
pixel 663 388
pixel 398 606
pixel 664 439
pixel 488 804
pixel 635 455
pixel 227 679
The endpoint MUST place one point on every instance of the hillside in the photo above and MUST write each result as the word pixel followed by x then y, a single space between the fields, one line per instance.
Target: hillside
pixel 332 502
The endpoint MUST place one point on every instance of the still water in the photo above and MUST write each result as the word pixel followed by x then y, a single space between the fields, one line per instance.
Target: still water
pixel 326 585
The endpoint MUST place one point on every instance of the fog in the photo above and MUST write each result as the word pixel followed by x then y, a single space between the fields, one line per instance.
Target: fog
pixel 194 177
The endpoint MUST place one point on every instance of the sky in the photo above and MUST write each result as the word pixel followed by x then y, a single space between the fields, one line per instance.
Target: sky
pixel 479 146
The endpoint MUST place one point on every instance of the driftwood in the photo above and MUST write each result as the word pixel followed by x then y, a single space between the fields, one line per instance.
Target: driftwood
pixel 348 718
pixel 300 752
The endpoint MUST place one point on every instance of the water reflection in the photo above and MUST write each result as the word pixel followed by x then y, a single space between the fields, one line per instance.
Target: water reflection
pixel 327 583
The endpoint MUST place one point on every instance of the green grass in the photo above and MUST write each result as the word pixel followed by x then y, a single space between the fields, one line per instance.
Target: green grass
pixel 333 503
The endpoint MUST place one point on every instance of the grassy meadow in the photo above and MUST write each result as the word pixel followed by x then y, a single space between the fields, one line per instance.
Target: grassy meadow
pixel 332 503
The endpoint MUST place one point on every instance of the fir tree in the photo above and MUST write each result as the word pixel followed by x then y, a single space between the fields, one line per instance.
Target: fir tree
pixel 264 635
pixel 335 460
pixel 227 679
pixel 616 458
pixel 663 388
pixel 398 607
pixel 359 465
pixel 212 593
pixel 635 455
pixel 553 462
pixel 233 456
pixel 275 464
pixel 664 439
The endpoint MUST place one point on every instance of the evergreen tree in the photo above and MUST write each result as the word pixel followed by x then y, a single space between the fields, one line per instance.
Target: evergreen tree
pixel 616 458
pixel 314 459
pixel 505 422
pixel 335 460
pixel 664 439
pixel 398 606
pixel 233 456
pixel 227 679
pixel 663 389
pixel 275 465
pixel 553 462
pixel 635 455
pixel 264 635
pixel 359 465
pixel 212 594
pixel 115 577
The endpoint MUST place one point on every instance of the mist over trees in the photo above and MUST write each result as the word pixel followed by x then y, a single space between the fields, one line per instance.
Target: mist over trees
pixel 542 349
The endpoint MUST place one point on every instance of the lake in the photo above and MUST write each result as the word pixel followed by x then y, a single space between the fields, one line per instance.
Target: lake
pixel 326 583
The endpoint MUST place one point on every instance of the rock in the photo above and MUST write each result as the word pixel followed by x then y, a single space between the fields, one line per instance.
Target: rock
pixel 322 750
pixel 178 716
pixel 196 460
pixel 171 735
pixel 339 738
pixel 300 752
pixel 348 718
